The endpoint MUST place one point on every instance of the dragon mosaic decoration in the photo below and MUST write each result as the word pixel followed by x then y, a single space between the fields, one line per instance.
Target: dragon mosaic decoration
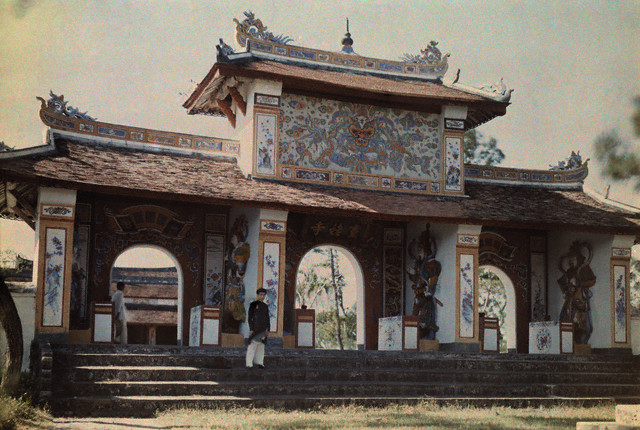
pixel 253 28
pixel 57 104
pixel 356 138
pixel 430 56
pixel 573 162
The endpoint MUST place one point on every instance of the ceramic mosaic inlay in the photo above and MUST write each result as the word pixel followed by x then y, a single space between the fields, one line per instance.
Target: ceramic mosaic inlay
pixel 393 280
pixel 621 252
pixel 274 226
pixel 265 143
pixel 55 241
pixel 214 267
pixel 390 333
pixel 194 326
pixel 538 287
pixel 57 211
pixel 620 303
pixel 79 273
pixel 270 279
pixel 467 294
pixel 453 148
pixel 354 138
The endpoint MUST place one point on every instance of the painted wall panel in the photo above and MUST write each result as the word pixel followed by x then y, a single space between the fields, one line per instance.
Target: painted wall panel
pixel 467 293
pixel 55 243
pixel 355 138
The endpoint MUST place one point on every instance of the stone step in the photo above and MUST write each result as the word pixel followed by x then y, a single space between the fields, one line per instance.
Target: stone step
pixel 146 406
pixel 186 373
pixel 175 350
pixel 304 389
pixel 279 361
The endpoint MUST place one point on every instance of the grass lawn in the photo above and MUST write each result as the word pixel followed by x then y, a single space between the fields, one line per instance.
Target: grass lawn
pixel 424 416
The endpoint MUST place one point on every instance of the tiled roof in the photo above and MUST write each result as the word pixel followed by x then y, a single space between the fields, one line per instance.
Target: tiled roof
pixel 207 180
pixel 409 93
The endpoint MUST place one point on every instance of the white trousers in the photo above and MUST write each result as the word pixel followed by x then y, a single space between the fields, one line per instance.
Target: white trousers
pixel 255 353
pixel 121 325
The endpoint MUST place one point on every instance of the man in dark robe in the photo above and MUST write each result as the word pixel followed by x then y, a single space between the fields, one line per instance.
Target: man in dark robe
pixel 259 326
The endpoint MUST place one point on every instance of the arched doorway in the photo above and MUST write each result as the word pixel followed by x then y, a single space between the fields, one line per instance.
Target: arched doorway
pixel 153 295
pixel 329 279
pixel 497 298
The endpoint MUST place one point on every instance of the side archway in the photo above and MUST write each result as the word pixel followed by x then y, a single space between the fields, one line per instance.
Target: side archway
pixel 155 290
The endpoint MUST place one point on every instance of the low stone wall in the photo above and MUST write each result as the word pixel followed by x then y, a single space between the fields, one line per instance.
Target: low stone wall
pixel 23 294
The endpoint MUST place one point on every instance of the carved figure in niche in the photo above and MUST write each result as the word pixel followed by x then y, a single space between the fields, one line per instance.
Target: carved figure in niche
pixel 239 252
pixel 575 283
pixel 424 275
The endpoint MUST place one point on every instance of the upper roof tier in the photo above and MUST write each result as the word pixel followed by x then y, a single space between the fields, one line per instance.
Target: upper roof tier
pixel 415 83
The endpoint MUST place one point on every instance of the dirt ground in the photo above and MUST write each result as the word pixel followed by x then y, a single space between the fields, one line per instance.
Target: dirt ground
pixel 115 424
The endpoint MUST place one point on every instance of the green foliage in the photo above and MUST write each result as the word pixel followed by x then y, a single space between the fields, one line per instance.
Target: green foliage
pixel 327 333
pixel 492 299
pixel 619 158
pixel 320 286
pixel 478 150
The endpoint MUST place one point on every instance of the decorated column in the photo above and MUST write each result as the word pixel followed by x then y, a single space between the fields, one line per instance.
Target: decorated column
pixel 467 323
pixel 54 258
pixel 453 138
pixel 271 260
pixel 620 294
pixel 538 260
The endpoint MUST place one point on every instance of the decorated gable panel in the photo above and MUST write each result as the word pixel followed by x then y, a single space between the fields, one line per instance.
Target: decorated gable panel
pixel 360 145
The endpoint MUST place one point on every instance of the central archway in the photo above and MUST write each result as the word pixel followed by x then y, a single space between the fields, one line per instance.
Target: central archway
pixel 154 293
pixel 502 293
pixel 330 280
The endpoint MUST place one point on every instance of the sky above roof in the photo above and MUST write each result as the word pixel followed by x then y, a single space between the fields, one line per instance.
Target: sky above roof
pixel 575 66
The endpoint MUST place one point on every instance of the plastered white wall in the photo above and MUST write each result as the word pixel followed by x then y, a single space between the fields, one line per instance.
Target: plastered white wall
pixel 445 237
pixel 558 245
pixel 251 275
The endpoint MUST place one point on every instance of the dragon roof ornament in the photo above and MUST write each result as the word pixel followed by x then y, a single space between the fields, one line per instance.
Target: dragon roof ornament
pixel 430 56
pixel 497 91
pixel 573 162
pixel 253 28
pixel 253 35
pixel 58 105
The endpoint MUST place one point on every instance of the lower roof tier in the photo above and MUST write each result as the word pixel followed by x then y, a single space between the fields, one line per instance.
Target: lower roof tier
pixel 121 171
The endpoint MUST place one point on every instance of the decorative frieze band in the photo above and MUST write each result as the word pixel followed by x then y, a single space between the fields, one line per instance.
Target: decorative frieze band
pixel 266 100
pixel 140 135
pixel 620 252
pixel 492 173
pixel 470 240
pixel 63 212
pixel 274 227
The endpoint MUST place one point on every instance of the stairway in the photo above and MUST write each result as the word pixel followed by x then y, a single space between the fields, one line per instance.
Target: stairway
pixel 137 380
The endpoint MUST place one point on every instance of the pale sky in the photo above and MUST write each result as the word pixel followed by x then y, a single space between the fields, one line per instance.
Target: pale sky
pixel 575 66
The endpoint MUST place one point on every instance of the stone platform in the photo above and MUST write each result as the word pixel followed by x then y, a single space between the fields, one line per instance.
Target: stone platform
pixel 627 418
pixel 136 381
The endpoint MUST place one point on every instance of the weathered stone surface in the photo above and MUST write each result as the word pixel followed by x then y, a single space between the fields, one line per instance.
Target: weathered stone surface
pixel 137 380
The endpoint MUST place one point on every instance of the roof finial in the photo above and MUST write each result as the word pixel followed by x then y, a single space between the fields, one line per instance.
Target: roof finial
pixel 347 41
